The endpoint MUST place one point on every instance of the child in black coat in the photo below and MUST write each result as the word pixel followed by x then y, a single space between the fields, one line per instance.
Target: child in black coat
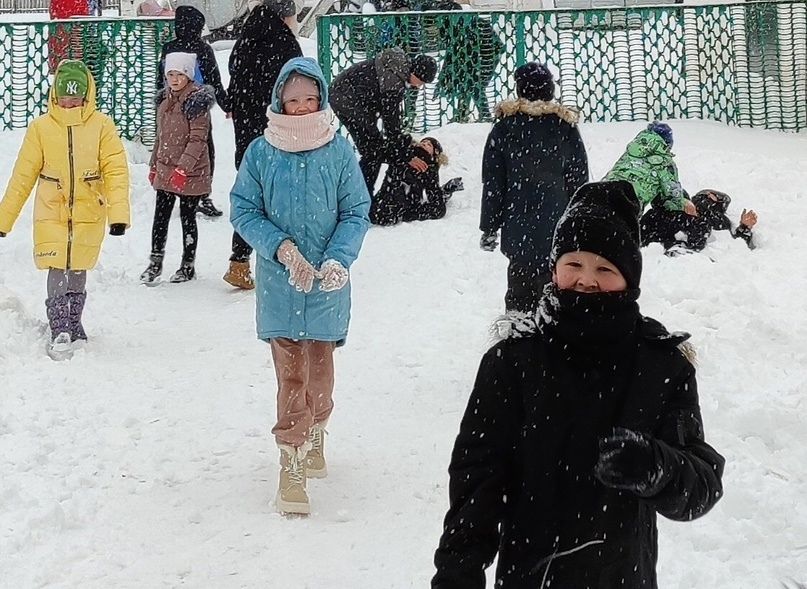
pixel 408 194
pixel 663 226
pixel 580 428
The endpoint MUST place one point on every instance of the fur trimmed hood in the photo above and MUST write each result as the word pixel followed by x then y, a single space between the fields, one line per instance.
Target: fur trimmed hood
pixel 537 108
pixel 518 325
pixel 197 102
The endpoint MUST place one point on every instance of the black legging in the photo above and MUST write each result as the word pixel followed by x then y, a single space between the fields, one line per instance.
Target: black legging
pixel 246 131
pixel 162 217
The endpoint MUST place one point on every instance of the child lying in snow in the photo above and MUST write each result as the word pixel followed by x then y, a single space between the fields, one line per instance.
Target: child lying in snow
pixel 664 226
pixel 401 197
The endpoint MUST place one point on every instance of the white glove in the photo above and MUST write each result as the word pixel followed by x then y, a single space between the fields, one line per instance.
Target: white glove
pixel 301 272
pixel 333 276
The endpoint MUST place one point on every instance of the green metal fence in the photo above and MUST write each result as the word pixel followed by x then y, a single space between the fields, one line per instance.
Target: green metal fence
pixel 122 55
pixel 743 64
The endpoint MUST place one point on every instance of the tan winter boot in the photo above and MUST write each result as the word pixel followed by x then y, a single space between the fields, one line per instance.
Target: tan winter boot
pixel 239 275
pixel 315 467
pixel 291 493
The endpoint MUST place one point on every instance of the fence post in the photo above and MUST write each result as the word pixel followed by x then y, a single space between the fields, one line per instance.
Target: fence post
pixel 323 46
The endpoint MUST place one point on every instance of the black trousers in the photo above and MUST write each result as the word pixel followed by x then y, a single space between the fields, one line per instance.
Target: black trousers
pixel 162 217
pixel 658 225
pixel 525 284
pixel 246 131
pixel 369 143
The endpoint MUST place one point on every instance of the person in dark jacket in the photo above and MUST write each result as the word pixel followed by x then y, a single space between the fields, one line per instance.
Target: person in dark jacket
pixel 663 226
pixel 533 162
pixel 580 427
pixel 408 195
pixel 266 43
pixel 374 89
pixel 188 25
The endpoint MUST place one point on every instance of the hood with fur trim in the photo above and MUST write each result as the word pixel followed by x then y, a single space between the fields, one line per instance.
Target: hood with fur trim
pixel 537 108
pixel 197 103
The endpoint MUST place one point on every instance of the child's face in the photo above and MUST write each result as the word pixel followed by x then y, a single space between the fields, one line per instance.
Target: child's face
pixel 587 272
pixel 177 80
pixel 427 145
pixel 70 101
pixel 301 105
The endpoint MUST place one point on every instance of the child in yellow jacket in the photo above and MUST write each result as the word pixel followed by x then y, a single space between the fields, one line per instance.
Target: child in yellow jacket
pixel 74 155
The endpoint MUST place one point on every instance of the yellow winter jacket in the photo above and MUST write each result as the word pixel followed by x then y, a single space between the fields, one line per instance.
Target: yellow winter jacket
pixel 79 161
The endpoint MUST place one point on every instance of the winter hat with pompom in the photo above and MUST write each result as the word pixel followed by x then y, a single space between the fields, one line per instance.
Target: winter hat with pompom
pixel 184 63
pixel 662 130
pixel 603 218
pixel 534 82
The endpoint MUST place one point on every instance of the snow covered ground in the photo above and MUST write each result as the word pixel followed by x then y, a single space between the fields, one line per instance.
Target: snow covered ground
pixel 146 461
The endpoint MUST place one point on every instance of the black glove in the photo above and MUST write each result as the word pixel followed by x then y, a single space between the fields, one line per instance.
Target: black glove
pixel 629 460
pixel 117 229
pixel 489 241
pixel 2 234
pixel 453 185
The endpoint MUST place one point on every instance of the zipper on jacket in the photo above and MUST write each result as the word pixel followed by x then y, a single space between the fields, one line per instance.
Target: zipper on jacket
pixel 72 194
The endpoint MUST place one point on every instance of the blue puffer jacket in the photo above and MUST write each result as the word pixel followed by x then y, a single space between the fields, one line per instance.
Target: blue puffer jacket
pixel 316 198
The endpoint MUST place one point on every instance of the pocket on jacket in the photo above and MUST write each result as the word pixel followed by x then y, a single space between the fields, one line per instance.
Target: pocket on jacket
pixel 50 203
pixel 88 208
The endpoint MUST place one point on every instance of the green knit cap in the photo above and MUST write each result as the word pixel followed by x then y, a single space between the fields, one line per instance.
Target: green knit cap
pixel 72 79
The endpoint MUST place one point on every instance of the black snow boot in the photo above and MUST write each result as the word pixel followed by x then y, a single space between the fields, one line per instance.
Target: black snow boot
pixel 151 275
pixel 207 208
pixel 186 272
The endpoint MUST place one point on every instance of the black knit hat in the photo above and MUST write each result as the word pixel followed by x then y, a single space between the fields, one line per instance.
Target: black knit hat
pixel 534 82
pixel 603 218
pixel 424 67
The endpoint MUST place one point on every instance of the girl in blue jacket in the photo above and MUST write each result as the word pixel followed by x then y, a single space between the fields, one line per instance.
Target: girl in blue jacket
pixel 301 202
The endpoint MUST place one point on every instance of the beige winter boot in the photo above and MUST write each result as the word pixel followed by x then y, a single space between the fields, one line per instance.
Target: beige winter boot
pixel 291 493
pixel 239 275
pixel 315 467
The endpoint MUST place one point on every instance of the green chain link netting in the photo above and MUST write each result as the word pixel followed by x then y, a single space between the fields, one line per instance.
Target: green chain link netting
pixel 121 54
pixel 743 64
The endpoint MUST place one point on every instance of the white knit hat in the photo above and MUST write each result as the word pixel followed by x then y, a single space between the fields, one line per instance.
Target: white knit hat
pixel 184 63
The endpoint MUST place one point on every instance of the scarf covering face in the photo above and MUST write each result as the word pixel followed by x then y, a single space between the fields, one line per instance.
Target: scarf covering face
pixel 589 319
pixel 299 133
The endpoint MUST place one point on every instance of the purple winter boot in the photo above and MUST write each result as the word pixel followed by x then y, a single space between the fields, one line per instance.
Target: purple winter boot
pixel 58 310
pixel 77 300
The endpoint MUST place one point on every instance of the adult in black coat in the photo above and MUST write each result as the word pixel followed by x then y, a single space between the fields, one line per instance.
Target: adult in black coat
pixel 663 226
pixel 533 162
pixel 265 45
pixel 188 25
pixel 581 427
pixel 408 195
pixel 374 89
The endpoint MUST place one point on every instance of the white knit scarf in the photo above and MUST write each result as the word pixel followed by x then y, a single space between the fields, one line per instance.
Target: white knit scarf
pixel 299 133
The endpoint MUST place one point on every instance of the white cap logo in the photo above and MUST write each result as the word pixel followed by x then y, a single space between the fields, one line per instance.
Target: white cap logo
pixel 72 88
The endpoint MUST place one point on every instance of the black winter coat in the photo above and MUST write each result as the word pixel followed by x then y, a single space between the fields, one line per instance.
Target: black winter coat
pixel 522 471
pixel 533 162
pixel 400 197
pixel 264 47
pixel 373 89
pixel 188 25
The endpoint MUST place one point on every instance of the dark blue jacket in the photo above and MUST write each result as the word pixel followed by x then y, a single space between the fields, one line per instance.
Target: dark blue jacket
pixel 533 162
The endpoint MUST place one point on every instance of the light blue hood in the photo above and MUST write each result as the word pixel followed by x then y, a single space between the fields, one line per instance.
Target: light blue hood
pixel 305 66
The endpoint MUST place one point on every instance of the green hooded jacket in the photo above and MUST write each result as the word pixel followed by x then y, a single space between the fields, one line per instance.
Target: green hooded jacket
pixel 648 165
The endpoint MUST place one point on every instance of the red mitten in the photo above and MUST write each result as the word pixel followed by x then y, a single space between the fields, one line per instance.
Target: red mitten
pixel 178 180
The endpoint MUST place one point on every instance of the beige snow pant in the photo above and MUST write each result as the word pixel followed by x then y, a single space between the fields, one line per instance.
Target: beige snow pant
pixel 304 372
